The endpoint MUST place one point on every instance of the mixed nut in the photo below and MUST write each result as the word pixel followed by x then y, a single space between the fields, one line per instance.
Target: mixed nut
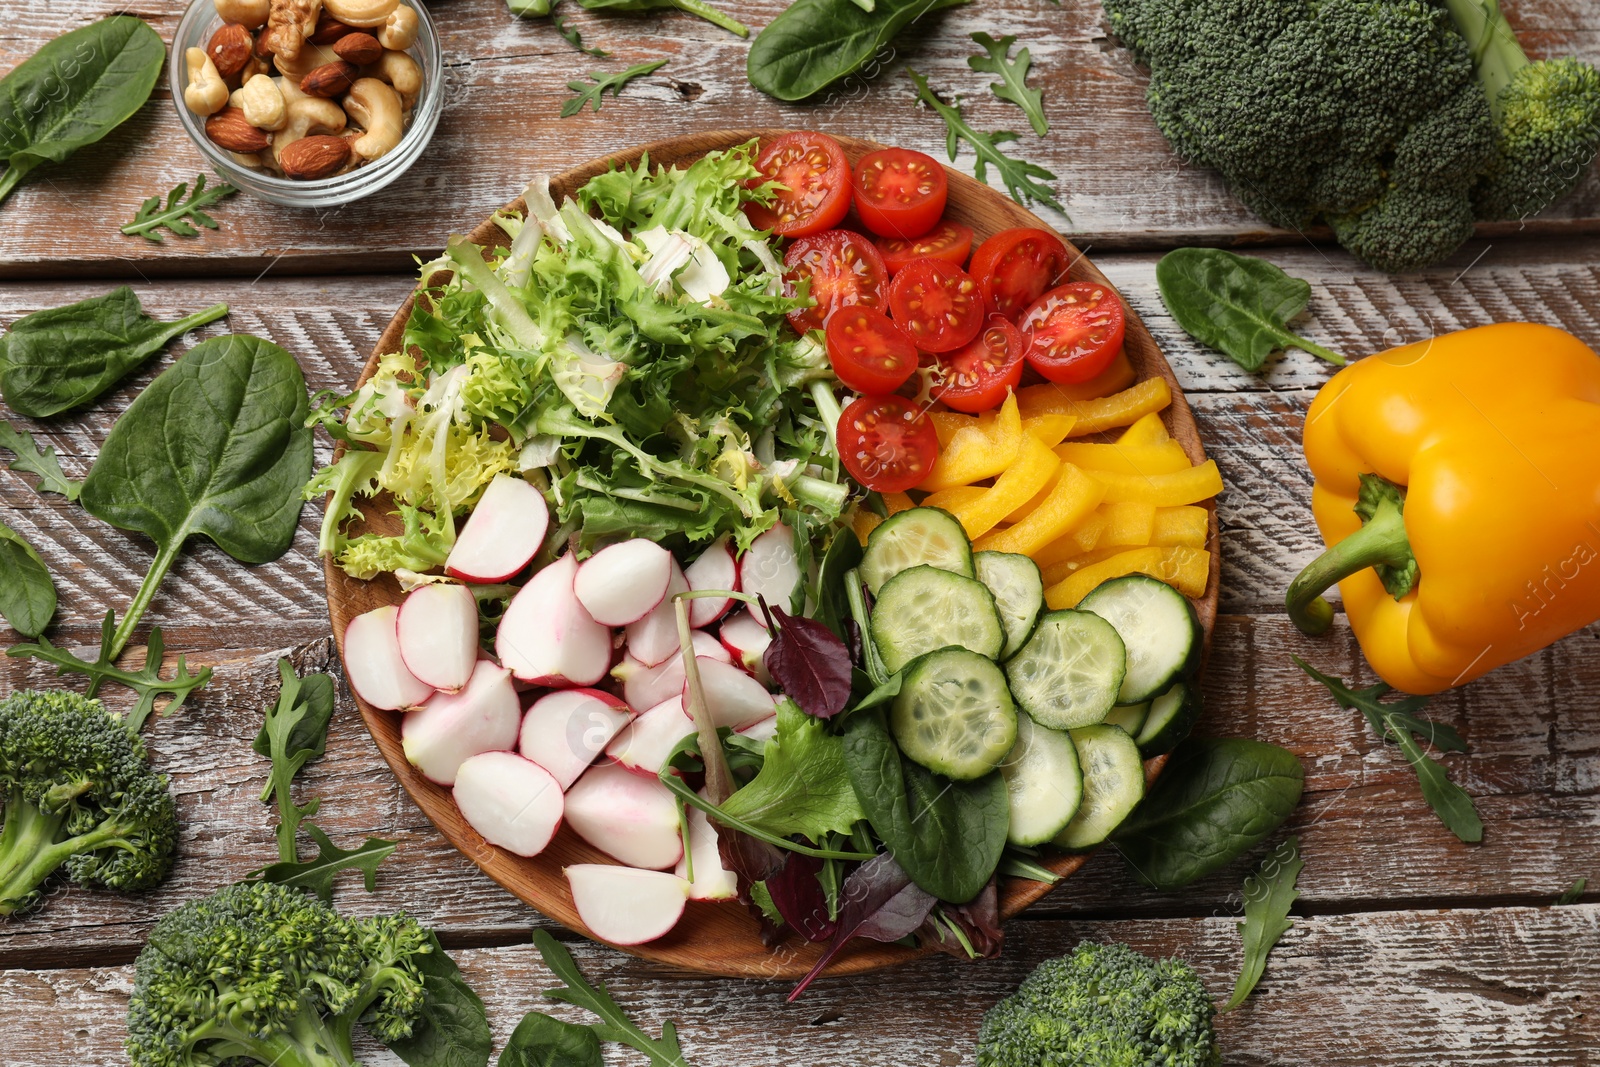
pixel 306 88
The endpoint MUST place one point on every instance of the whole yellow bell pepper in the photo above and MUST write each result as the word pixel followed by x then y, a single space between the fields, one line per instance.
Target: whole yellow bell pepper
pixel 1458 487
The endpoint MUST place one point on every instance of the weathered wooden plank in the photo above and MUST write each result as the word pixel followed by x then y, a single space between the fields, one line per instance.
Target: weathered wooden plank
pixel 506 81
pixel 1508 987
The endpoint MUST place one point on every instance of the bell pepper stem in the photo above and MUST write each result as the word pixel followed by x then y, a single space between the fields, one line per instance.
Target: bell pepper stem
pixel 1381 541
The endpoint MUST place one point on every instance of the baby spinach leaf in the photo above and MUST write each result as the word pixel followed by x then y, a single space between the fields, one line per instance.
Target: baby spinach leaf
pixel 454 1028
pixel 1013 85
pixel 32 460
pixel 1239 305
pixel 178 214
pixel 803 786
pixel 814 43
pixel 27 595
pixel 595 93
pixel 1269 893
pixel 61 357
pixel 542 1040
pixel 74 91
pixel 809 663
pixel 1216 799
pixel 614 1024
pixel 1020 176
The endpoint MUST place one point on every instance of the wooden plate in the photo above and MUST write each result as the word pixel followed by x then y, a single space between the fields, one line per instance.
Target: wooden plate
pixel 721 938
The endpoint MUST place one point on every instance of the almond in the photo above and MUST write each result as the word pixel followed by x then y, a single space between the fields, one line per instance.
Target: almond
pixel 330 79
pixel 358 48
pixel 329 30
pixel 229 129
pixel 314 157
pixel 230 49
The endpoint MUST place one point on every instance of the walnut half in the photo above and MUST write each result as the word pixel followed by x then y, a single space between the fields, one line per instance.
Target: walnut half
pixel 289 23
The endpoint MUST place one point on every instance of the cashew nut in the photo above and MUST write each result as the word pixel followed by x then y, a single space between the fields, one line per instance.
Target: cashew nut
pixel 253 160
pixel 308 115
pixel 376 107
pixel 363 13
pixel 289 89
pixel 309 58
pixel 400 71
pixel 400 29
pixel 263 105
pixel 206 93
pixel 251 14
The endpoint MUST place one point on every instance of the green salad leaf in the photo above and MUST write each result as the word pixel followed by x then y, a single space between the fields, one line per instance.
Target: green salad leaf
pixel 1022 179
pixel 1239 305
pixel 453 1030
pixel 594 91
pixel 27 593
pixel 542 1040
pixel 1269 893
pixel 31 459
pixel 179 214
pixel 803 786
pixel 614 1024
pixel 1013 84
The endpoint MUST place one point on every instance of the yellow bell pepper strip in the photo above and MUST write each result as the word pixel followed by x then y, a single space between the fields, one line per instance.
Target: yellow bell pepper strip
pixel 1130 522
pixel 978 451
pixel 1183 525
pixel 1080 539
pixel 957 496
pixel 1075 495
pixel 1164 458
pixel 1067 593
pixel 1458 487
pixel 1050 429
pixel 1188 569
pixel 1117 376
pixel 895 503
pixel 1034 467
pixel 863 522
pixel 1146 430
pixel 1105 413
pixel 1188 486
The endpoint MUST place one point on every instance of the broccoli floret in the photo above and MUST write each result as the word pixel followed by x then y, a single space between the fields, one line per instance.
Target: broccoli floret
pixel 263 973
pixel 1103 1006
pixel 79 795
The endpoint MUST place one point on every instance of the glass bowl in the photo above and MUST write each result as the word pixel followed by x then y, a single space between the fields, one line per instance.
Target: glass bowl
pixel 200 21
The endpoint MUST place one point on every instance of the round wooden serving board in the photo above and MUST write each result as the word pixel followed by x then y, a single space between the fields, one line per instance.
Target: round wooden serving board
pixel 721 938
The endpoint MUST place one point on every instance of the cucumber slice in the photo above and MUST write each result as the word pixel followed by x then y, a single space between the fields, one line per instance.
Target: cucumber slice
pixel 926 608
pixel 1018 590
pixel 954 715
pixel 1068 672
pixel 1172 715
pixel 914 538
pixel 1043 782
pixel 1113 785
pixel 1130 717
pixel 1159 627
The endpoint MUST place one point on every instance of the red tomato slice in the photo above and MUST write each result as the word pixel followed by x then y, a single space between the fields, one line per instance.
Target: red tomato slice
pixel 816 176
pixel 886 443
pixel 868 352
pixel 978 377
pixel 936 304
pixel 844 269
pixel 899 193
pixel 1015 267
pixel 949 241
pixel 1074 331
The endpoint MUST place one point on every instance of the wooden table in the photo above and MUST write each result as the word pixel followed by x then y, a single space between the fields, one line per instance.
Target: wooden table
pixel 1408 947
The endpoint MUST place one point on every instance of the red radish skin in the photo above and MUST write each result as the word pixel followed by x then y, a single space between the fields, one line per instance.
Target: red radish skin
pixel 733 698
pixel 373 664
pixel 626 906
pixel 630 817
pixel 644 744
pixel 546 636
pixel 502 534
pixel 438 633
pixel 565 730
pixel 747 640
pixel 513 803
pixel 623 583
pixel 645 687
pixel 711 881
pixel 655 637
pixel 770 568
pixel 715 569
pixel 452 727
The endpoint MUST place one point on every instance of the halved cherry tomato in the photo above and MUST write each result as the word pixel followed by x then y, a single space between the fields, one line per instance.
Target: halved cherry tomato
pixel 1074 331
pixel 949 241
pixel 936 304
pixel 1014 268
pixel 887 443
pixel 977 377
pixel 844 269
pixel 868 352
pixel 816 176
pixel 900 193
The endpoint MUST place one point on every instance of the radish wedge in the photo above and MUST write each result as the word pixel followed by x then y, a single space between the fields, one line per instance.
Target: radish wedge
pixel 565 730
pixel 715 569
pixel 626 906
pixel 373 664
pixel 763 731
pixel 655 637
pixel 546 636
pixel 438 632
pixel 483 717
pixel 623 583
pixel 771 568
pixel 644 744
pixel 502 534
pixel 628 816
pixel 711 881
pixel 747 639
pixel 645 687
pixel 513 803
pixel 734 699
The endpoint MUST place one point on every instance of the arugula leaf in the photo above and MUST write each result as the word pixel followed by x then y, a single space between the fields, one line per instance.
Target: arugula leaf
pixel 1397 722
pixel 698 8
pixel 1239 305
pixel 294 731
pixel 177 213
pixel 453 1030
pixel 571 35
pixel 27 595
pixel 1269 893
pixel 316 874
pixel 1020 177
pixel 542 1040
pixel 593 94
pixel 1014 74
pixel 32 460
pixel 803 786
pixel 1573 893
pixel 614 1025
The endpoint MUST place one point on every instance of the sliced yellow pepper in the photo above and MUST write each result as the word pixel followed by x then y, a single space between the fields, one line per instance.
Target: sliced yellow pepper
pixel 1117 376
pixel 863 522
pixel 895 503
pixel 1034 467
pixel 955 497
pixel 1183 525
pixel 1146 430
pixel 1130 522
pixel 1062 569
pixel 946 423
pixel 1186 568
pixel 978 451
pixel 1163 490
pixel 1067 593
pixel 1051 430
pixel 1082 538
pixel 1164 458
pixel 1073 498
pixel 1118 409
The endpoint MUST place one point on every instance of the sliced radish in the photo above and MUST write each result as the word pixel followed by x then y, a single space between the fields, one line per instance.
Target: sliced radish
pixel 645 687
pixel 373 665
pixel 715 569
pixel 747 639
pixel 564 731
pixel 707 645
pixel 763 731
pixel 622 583
pixel 644 744
pixel 438 632
pixel 546 636
pixel 628 816
pixel 655 637
pixel 512 802
pixel 626 906
pixel 502 534
pixel 451 727
pixel 734 698
pixel 711 882
pixel 771 569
